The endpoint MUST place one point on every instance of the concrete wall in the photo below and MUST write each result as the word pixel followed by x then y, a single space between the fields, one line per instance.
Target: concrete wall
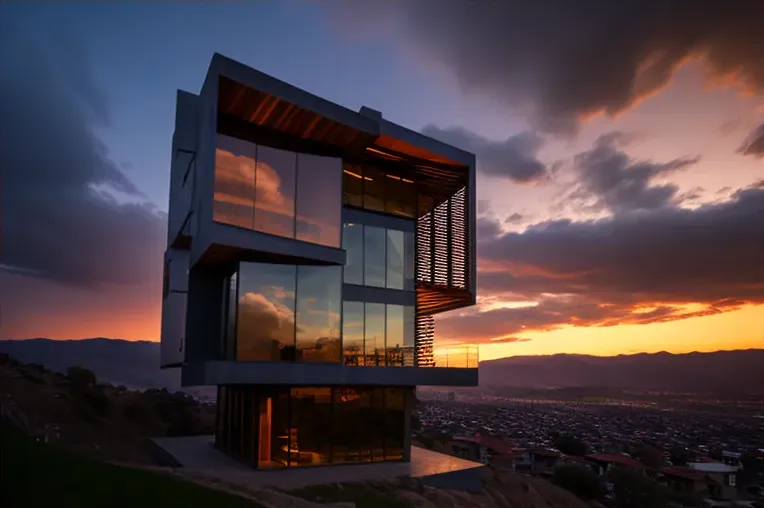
pixel 197 373
pixel 174 299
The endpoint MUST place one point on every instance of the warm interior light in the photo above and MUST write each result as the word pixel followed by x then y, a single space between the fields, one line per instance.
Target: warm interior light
pixel 407 181
pixel 383 154
pixel 352 174
pixel 367 178
pixel 393 177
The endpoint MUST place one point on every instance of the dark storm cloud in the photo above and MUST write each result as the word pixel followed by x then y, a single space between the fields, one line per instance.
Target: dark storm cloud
pixel 514 158
pixel 59 221
pixel 754 143
pixel 609 179
pixel 561 60
pixel 633 268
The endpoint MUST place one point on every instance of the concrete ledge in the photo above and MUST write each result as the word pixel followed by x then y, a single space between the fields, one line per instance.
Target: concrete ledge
pixel 321 374
pixel 197 454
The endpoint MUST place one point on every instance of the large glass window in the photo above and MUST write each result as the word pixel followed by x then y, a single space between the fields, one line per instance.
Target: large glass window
pixel 311 426
pixel 275 191
pixel 265 328
pixel 374 334
pixel 319 203
pixel 234 182
pixel 352 333
pixel 374 256
pixel 272 427
pixel 378 257
pixel 319 300
pixel 352 242
pixel 353 186
pixel 395 259
pixel 257 187
pixel 373 189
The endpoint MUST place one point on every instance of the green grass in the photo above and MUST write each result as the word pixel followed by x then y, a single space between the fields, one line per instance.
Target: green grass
pixel 363 496
pixel 37 475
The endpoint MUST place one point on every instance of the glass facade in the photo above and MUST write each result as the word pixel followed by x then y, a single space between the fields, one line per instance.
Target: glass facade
pixel 284 313
pixel 377 335
pixel 374 189
pixel 277 427
pixel 257 187
pixel 319 301
pixel 378 257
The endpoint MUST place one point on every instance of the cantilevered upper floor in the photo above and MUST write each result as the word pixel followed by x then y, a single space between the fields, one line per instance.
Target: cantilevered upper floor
pixel 280 199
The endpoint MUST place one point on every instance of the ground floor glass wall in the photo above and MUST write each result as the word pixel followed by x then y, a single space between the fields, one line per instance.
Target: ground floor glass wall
pixel 276 427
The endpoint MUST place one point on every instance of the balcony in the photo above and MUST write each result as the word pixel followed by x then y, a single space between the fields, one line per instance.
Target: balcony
pixel 458 357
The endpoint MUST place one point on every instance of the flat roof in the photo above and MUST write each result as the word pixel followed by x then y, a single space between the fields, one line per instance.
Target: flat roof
pixel 712 467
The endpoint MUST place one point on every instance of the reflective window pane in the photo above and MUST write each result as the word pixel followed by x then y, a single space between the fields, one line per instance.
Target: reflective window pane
pixel 319 204
pixel 395 259
pixel 374 334
pixel 234 182
pixel 275 191
pixel 377 423
pixel 409 328
pixel 319 300
pixel 349 428
pixel 229 342
pixel 395 422
pixel 273 429
pixel 265 330
pixel 400 196
pixel 352 242
pixel 409 248
pixel 352 333
pixel 310 429
pixel 374 256
pixel 373 189
pixel 395 335
pixel 352 178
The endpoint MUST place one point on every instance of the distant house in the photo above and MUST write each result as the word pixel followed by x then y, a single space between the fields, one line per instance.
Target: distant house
pixel 684 480
pixel 602 463
pixel 484 449
pixel 536 460
pixel 721 479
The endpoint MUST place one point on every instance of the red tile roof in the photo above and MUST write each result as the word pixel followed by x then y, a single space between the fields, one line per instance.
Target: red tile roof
pixel 620 460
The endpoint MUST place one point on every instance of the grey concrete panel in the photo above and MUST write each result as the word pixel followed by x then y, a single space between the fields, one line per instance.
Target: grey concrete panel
pixel 355 293
pixel 378 220
pixel 321 374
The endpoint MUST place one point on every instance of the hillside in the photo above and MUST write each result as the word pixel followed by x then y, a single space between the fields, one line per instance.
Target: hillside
pixel 719 372
pixel 136 365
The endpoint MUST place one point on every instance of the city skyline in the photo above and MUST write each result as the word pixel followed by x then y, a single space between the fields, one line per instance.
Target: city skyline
pixel 610 221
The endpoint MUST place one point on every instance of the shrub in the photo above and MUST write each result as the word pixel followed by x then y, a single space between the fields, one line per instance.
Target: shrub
pixel 579 480
pixel 80 379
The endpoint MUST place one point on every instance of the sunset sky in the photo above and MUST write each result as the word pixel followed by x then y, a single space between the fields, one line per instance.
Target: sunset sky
pixel 620 150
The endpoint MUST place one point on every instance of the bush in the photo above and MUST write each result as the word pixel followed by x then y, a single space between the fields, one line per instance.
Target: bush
pixel 570 445
pixel 98 400
pixel 80 379
pixel 579 480
pixel 632 489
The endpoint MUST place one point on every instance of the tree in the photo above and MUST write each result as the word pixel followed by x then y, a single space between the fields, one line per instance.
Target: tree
pixel 649 456
pixel 80 379
pixel 579 480
pixel 570 445
pixel 632 489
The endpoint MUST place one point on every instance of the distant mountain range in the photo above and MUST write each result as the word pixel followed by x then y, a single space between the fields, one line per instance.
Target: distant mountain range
pixel 136 365
pixel 738 372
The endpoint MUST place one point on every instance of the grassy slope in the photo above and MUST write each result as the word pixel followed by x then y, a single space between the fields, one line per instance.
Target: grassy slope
pixel 36 475
pixel 363 496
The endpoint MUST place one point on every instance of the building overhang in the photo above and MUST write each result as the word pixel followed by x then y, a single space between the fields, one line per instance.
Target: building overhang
pixel 321 374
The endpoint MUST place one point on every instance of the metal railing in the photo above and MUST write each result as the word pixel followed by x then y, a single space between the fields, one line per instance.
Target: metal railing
pixel 463 357
pixel 460 356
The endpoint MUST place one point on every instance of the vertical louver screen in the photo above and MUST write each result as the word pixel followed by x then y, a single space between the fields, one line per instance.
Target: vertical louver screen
pixel 425 333
pixel 458 230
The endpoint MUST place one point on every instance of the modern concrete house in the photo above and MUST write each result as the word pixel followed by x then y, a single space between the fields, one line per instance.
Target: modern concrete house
pixel 309 248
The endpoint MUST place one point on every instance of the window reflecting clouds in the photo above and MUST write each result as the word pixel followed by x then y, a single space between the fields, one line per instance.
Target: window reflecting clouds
pixel 395 259
pixel 275 191
pixel 378 257
pixel 234 182
pixel 319 300
pixel 319 203
pixel 265 330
